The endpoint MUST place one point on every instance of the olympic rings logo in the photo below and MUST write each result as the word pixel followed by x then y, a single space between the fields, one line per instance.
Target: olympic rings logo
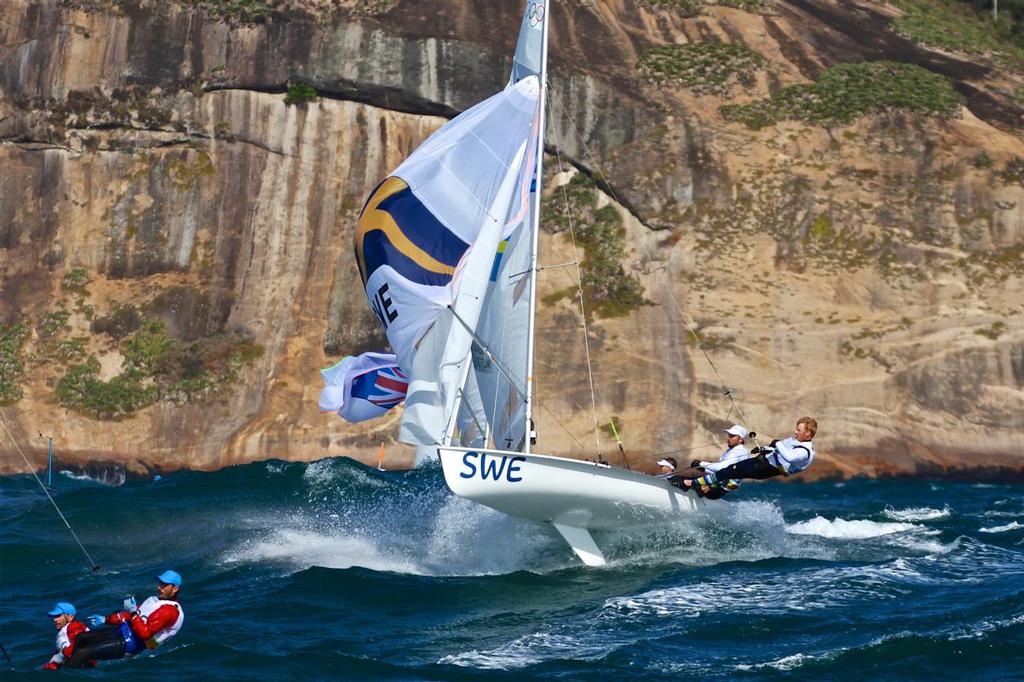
pixel 535 13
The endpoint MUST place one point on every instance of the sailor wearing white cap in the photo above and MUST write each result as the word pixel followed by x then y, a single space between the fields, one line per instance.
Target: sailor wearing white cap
pixel 782 458
pixel 735 449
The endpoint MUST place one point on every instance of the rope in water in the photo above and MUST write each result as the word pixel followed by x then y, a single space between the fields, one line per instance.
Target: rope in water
pixel 93 566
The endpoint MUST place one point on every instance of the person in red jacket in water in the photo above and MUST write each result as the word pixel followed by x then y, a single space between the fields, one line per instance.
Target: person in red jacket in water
pixel 136 628
pixel 68 630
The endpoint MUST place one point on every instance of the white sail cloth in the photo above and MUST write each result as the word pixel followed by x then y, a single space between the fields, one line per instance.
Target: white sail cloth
pixel 427 240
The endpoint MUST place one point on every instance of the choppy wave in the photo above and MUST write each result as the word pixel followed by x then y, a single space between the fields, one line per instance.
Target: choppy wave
pixel 917 514
pixel 848 530
pixel 399 579
pixel 1013 525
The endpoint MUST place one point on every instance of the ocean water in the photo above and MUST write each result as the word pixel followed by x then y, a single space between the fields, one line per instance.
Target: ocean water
pixel 335 570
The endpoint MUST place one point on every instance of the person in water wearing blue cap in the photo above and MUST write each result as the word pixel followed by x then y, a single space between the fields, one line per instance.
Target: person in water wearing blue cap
pixel 136 627
pixel 68 630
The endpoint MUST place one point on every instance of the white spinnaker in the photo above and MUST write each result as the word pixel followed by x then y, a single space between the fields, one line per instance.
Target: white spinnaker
pixel 452 182
pixel 455 174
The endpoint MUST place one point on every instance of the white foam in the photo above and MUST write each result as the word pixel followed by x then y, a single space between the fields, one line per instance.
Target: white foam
pixel 917 513
pixel 113 478
pixel 847 530
pixel 994 513
pixel 528 650
pixel 304 549
pixel 1013 525
pixel 789 662
pixel 454 545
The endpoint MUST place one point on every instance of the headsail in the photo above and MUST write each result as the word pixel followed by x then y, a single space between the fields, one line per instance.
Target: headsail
pixel 503 371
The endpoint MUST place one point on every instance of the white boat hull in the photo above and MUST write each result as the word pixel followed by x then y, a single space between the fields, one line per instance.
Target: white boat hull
pixel 573 495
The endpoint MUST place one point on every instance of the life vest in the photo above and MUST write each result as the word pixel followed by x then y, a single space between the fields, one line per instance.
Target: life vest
pixel 151 605
pixel 63 639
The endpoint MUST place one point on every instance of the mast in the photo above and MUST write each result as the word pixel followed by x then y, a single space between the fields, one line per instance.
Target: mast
pixel 541 12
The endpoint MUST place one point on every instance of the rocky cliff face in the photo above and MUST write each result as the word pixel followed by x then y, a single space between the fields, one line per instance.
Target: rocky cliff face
pixel 867 271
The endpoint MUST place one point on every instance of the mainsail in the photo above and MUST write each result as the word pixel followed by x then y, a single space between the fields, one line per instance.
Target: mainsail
pixel 446 247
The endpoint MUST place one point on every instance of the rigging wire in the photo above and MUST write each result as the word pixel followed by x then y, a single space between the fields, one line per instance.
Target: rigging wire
pixel 579 291
pixel 693 332
pixel 93 566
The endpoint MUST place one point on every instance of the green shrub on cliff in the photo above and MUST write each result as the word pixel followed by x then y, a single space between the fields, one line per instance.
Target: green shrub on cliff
pixel 684 8
pixel 957 27
pixel 993 331
pixel 12 337
pixel 300 93
pixel 236 11
pixel 157 367
pixel 607 289
pixel 122 321
pixel 147 348
pixel 1013 172
pixel 76 280
pixel 847 91
pixel 51 324
pixel 705 67
pixel 82 389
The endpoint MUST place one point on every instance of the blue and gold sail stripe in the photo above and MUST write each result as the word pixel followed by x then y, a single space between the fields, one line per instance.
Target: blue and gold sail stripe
pixel 396 229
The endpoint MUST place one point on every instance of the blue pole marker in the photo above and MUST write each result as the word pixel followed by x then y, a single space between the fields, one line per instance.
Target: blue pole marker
pixel 49 467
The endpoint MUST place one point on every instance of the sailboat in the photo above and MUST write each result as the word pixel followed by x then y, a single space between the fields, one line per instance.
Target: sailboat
pixel 447 251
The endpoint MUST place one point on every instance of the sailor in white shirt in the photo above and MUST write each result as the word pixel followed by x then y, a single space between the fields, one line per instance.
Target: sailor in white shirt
pixel 735 452
pixel 782 458
pixel 735 449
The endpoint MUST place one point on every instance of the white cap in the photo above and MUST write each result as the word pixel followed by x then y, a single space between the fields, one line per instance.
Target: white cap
pixel 666 463
pixel 737 430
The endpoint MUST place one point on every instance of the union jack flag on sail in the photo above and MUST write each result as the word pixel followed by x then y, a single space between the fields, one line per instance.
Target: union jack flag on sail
pixel 363 387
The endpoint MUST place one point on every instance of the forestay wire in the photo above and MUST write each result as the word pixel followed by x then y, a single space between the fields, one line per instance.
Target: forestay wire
pixel 727 392
pixel 93 566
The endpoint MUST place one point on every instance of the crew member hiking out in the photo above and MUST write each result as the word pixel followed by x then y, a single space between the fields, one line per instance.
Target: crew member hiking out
pixel 136 628
pixel 735 451
pixel 68 631
pixel 781 458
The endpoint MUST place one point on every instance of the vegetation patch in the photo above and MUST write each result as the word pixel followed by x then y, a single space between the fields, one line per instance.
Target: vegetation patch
pixel 236 11
pixel 704 67
pixel 982 161
pixel 684 8
pixel 958 27
pixel 77 280
pixel 130 107
pixel 122 321
pixel 157 367
pixel 82 389
pixel 12 337
pixel 1013 172
pixel 300 93
pixel 847 91
pixel 51 324
pixel 608 291
pixel 993 331
pixel 185 172
pixel 693 8
pixel 754 6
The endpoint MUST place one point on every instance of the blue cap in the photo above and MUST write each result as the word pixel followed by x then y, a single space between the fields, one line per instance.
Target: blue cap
pixel 62 608
pixel 170 578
